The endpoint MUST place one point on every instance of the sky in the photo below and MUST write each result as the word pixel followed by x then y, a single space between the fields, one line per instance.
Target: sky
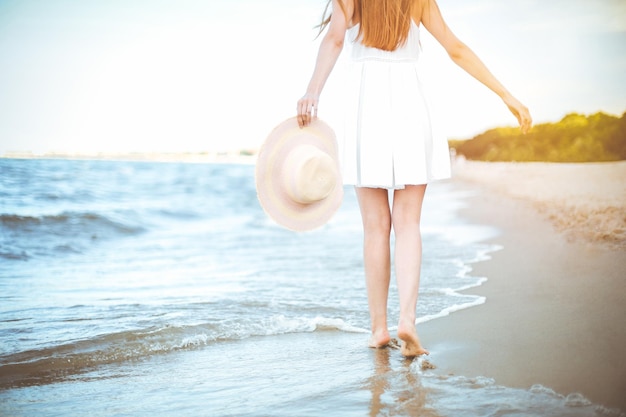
pixel 218 75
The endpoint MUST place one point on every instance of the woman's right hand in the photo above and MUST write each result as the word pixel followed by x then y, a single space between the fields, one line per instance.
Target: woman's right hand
pixel 520 112
pixel 307 109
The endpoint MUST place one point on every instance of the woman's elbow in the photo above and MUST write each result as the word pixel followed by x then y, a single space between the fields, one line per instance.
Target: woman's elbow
pixel 335 40
pixel 457 50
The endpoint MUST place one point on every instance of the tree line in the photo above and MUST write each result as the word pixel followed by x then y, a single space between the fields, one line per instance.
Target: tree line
pixel 575 138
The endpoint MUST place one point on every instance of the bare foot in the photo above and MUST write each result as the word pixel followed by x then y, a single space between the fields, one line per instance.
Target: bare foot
pixel 379 339
pixel 411 346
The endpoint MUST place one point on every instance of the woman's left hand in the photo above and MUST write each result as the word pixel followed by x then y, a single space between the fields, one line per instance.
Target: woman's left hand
pixel 307 109
pixel 520 112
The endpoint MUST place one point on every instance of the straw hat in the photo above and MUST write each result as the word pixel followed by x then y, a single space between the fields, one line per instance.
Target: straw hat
pixel 297 175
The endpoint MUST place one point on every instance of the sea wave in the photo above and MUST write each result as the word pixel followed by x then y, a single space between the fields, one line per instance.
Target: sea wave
pixel 482 396
pixel 477 300
pixel 47 365
pixel 66 223
pixel 27 236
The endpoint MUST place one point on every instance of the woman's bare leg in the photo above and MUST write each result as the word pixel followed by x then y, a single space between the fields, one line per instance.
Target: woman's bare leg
pixel 376 216
pixel 407 209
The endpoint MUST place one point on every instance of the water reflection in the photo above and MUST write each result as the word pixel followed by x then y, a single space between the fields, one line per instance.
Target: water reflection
pixel 396 387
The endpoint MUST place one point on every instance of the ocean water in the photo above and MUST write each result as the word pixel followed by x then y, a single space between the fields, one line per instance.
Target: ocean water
pixel 137 288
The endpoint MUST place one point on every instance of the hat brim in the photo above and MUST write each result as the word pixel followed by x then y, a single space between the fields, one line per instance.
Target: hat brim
pixel 269 184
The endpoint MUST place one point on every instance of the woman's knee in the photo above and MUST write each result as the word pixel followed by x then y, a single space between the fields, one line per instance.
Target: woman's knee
pixel 405 219
pixel 377 224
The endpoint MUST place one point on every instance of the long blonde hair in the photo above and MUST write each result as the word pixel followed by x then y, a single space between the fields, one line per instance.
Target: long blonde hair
pixel 383 24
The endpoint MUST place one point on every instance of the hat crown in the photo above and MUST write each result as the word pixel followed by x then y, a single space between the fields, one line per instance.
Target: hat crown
pixel 310 174
pixel 297 175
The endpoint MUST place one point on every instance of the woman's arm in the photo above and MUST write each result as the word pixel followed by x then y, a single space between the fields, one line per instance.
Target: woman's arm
pixel 464 57
pixel 329 51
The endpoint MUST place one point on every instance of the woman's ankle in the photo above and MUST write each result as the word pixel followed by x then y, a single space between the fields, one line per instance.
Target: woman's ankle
pixel 380 338
pixel 406 322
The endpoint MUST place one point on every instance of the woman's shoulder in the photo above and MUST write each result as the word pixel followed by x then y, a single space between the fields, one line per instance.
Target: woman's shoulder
pixel 417 8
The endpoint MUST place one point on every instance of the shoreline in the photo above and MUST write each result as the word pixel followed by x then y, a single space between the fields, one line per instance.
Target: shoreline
pixel 555 304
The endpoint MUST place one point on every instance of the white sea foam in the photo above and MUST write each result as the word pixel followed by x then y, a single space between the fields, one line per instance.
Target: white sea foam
pixel 480 396
pixel 449 310
pixel 280 325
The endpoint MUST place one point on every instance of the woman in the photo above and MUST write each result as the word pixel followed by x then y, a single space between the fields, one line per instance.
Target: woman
pixel 389 142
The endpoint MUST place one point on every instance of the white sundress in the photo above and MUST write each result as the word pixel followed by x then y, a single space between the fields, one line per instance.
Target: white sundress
pixel 389 138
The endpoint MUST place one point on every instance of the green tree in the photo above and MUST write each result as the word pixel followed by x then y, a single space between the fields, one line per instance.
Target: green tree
pixel 575 138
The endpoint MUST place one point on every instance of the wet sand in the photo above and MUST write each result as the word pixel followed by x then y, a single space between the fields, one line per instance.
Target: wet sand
pixel 556 299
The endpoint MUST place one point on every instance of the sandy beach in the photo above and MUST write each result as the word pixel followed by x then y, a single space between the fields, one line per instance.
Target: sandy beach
pixel 556 304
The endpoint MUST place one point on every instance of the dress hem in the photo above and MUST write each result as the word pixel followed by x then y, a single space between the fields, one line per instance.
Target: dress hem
pixel 397 186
